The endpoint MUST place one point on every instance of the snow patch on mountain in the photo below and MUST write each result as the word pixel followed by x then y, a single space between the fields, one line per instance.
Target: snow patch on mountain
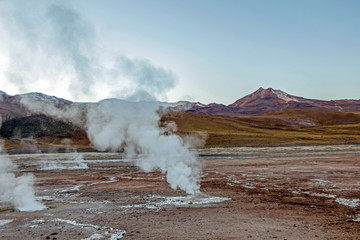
pixel 181 106
pixel 284 96
pixel 45 98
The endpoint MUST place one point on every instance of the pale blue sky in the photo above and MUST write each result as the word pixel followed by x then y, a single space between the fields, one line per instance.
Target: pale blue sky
pixel 223 50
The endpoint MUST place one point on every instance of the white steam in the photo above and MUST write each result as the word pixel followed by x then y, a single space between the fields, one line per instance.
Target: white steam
pixel 53 49
pixel 112 124
pixel 74 160
pixel 134 126
pixel 17 190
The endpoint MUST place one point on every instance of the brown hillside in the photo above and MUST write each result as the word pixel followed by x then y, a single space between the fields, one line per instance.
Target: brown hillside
pixel 282 128
pixel 289 127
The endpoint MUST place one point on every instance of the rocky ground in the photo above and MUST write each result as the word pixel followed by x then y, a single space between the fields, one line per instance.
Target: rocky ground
pixel 248 193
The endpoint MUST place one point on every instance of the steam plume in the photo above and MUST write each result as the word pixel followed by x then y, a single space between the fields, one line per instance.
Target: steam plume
pixel 17 190
pixel 114 124
pixel 74 160
pixel 148 82
pixel 136 125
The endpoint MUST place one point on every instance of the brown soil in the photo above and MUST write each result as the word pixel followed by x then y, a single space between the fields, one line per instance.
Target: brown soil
pixel 276 193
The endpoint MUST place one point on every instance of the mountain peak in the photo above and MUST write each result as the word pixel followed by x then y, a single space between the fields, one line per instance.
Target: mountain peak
pixel 273 93
pixel 262 90
pixel 259 90
pixel 265 96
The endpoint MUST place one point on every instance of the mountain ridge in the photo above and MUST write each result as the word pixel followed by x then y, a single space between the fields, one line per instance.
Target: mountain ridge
pixel 271 100
pixel 258 102
pixel 225 126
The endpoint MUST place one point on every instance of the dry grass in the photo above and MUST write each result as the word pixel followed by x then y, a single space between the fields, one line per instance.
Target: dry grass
pixel 271 129
pixel 78 140
pixel 254 130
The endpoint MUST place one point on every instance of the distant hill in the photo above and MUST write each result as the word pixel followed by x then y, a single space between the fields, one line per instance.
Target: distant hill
pixel 40 133
pixel 36 126
pixel 11 107
pixel 288 127
pixel 271 100
pixel 261 101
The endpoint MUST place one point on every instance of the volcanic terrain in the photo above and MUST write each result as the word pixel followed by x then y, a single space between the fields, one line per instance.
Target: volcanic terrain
pixel 248 193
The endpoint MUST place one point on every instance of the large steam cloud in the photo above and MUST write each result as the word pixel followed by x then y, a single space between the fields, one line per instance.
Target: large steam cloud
pixel 114 125
pixel 51 48
pixel 136 126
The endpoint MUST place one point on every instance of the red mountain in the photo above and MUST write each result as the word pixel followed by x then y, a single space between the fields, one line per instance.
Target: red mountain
pixel 271 100
pixel 260 101
pixel 11 107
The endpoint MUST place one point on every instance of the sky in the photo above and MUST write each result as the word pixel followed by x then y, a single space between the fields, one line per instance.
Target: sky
pixel 202 50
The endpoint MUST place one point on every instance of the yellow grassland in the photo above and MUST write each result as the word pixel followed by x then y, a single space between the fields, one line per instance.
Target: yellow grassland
pixel 271 129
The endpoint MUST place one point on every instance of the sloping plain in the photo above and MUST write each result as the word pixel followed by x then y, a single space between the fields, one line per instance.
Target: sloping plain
pixel 284 128
pixel 290 127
